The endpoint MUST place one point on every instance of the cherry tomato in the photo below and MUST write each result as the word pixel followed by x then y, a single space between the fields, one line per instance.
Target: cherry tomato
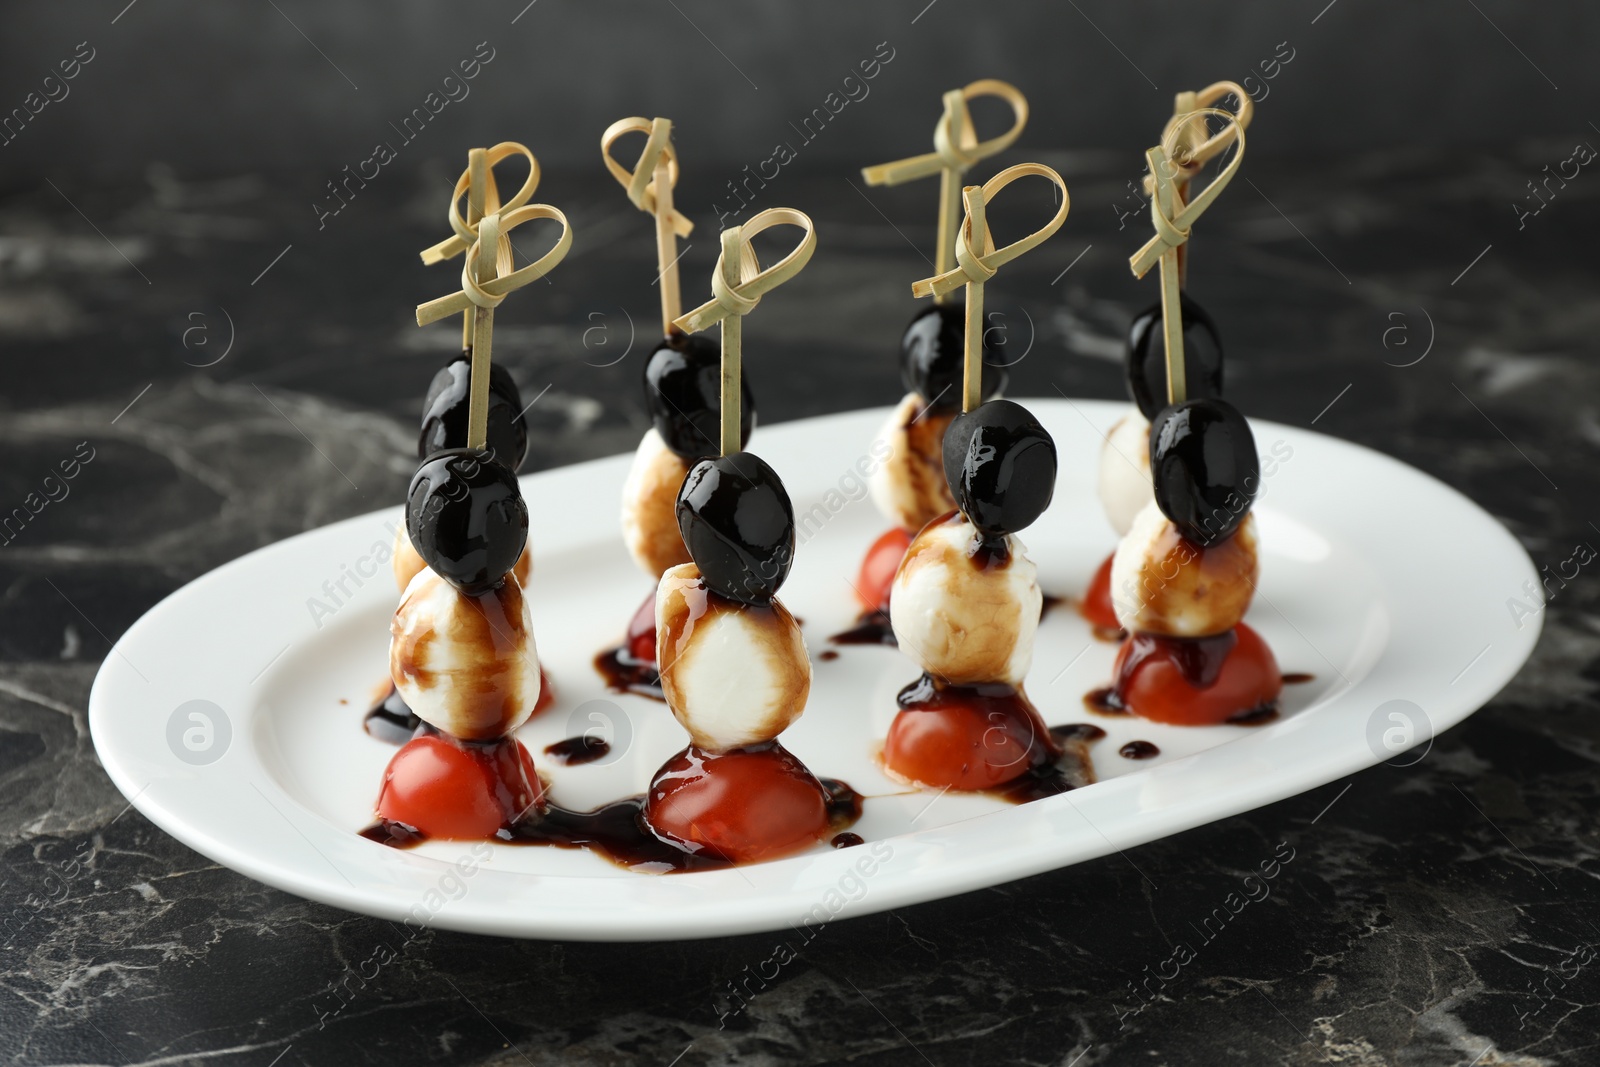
pixel 1156 686
pixel 450 789
pixel 879 567
pixel 1096 604
pixel 965 741
pixel 745 805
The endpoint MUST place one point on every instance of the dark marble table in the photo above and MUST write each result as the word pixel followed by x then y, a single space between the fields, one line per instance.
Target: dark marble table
pixel 1434 914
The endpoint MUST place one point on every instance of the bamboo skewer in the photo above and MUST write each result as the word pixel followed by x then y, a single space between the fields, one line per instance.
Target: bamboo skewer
pixel 1192 149
pixel 977 261
pixel 1173 220
pixel 486 279
pixel 956 149
pixel 737 285
pixel 649 185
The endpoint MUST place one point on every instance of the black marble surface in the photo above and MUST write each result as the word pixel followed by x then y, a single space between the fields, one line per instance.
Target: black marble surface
pixel 1443 913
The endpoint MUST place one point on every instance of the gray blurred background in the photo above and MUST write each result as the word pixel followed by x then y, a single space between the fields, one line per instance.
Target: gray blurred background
pixel 223 87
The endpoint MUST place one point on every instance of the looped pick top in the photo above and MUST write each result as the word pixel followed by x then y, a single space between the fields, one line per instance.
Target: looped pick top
pixel 955 141
pixel 977 260
pixel 641 183
pixel 1172 225
pixel 466 230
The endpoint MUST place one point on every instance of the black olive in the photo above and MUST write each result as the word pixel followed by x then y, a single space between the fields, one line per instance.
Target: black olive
pixel 1146 363
pixel 467 518
pixel 1001 466
pixel 1204 467
pixel 933 355
pixel 444 413
pixel 738 524
pixel 683 392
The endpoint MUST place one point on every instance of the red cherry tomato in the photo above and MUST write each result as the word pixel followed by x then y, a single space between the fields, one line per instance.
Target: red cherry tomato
pixel 879 567
pixel 966 742
pixel 1096 604
pixel 641 643
pixel 448 789
pixel 744 806
pixel 1155 686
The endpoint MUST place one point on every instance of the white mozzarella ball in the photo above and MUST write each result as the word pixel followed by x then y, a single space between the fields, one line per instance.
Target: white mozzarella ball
pixel 1125 471
pixel 1163 583
pixel 909 485
pixel 465 664
pixel 733 674
pixel 649 506
pixel 965 622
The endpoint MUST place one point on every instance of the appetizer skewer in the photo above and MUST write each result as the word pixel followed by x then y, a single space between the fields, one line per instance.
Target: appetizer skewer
pixel 446 410
pixel 462 652
pixel 1124 473
pixel 681 385
pixel 734 668
pixel 1185 573
pixel 965 602
pixel 908 485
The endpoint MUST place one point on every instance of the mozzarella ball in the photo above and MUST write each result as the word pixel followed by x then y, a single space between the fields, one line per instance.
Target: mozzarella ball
pixel 909 485
pixel 734 674
pixel 650 506
pixel 964 621
pixel 406 562
pixel 1125 471
pixel 1163 583
pixel 465 664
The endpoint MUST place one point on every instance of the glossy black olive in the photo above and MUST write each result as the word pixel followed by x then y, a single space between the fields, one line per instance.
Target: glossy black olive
pixel 1146 363
pixel 933 353
pixel 467 518
pixel 738 524
pixel 683 392
pixel 1204 467
pixel 1001 466
pixel 444 413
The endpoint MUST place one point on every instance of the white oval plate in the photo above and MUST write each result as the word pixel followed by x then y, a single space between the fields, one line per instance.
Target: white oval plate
pixel 1383 583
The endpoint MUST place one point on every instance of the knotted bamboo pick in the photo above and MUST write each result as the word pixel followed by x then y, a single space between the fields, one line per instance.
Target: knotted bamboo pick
pixel 955 149
pixel 478 185
pixel 974 267
pixel 1192 148
pixel 1173 221
pixel 737 286
pixel 486 278
pixel 649 186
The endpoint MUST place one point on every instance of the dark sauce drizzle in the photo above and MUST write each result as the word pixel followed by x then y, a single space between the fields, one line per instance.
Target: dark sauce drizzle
pixel 1138 750
pixel 573 751
pixel 1298 678
pixel 624 674
pixel 619 833
pixel 391 719
pixel 847 840
pixel 872 628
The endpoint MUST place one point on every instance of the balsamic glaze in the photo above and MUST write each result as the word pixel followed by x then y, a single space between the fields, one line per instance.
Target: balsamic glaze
pixel 1298 678
pixel 872 628
pixel 828 654
pixel 1087 732
pixel 616 832
pixel 573 751
pixel 1138 750
pixel 846 840
pixel 391 719
pixel 624 674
